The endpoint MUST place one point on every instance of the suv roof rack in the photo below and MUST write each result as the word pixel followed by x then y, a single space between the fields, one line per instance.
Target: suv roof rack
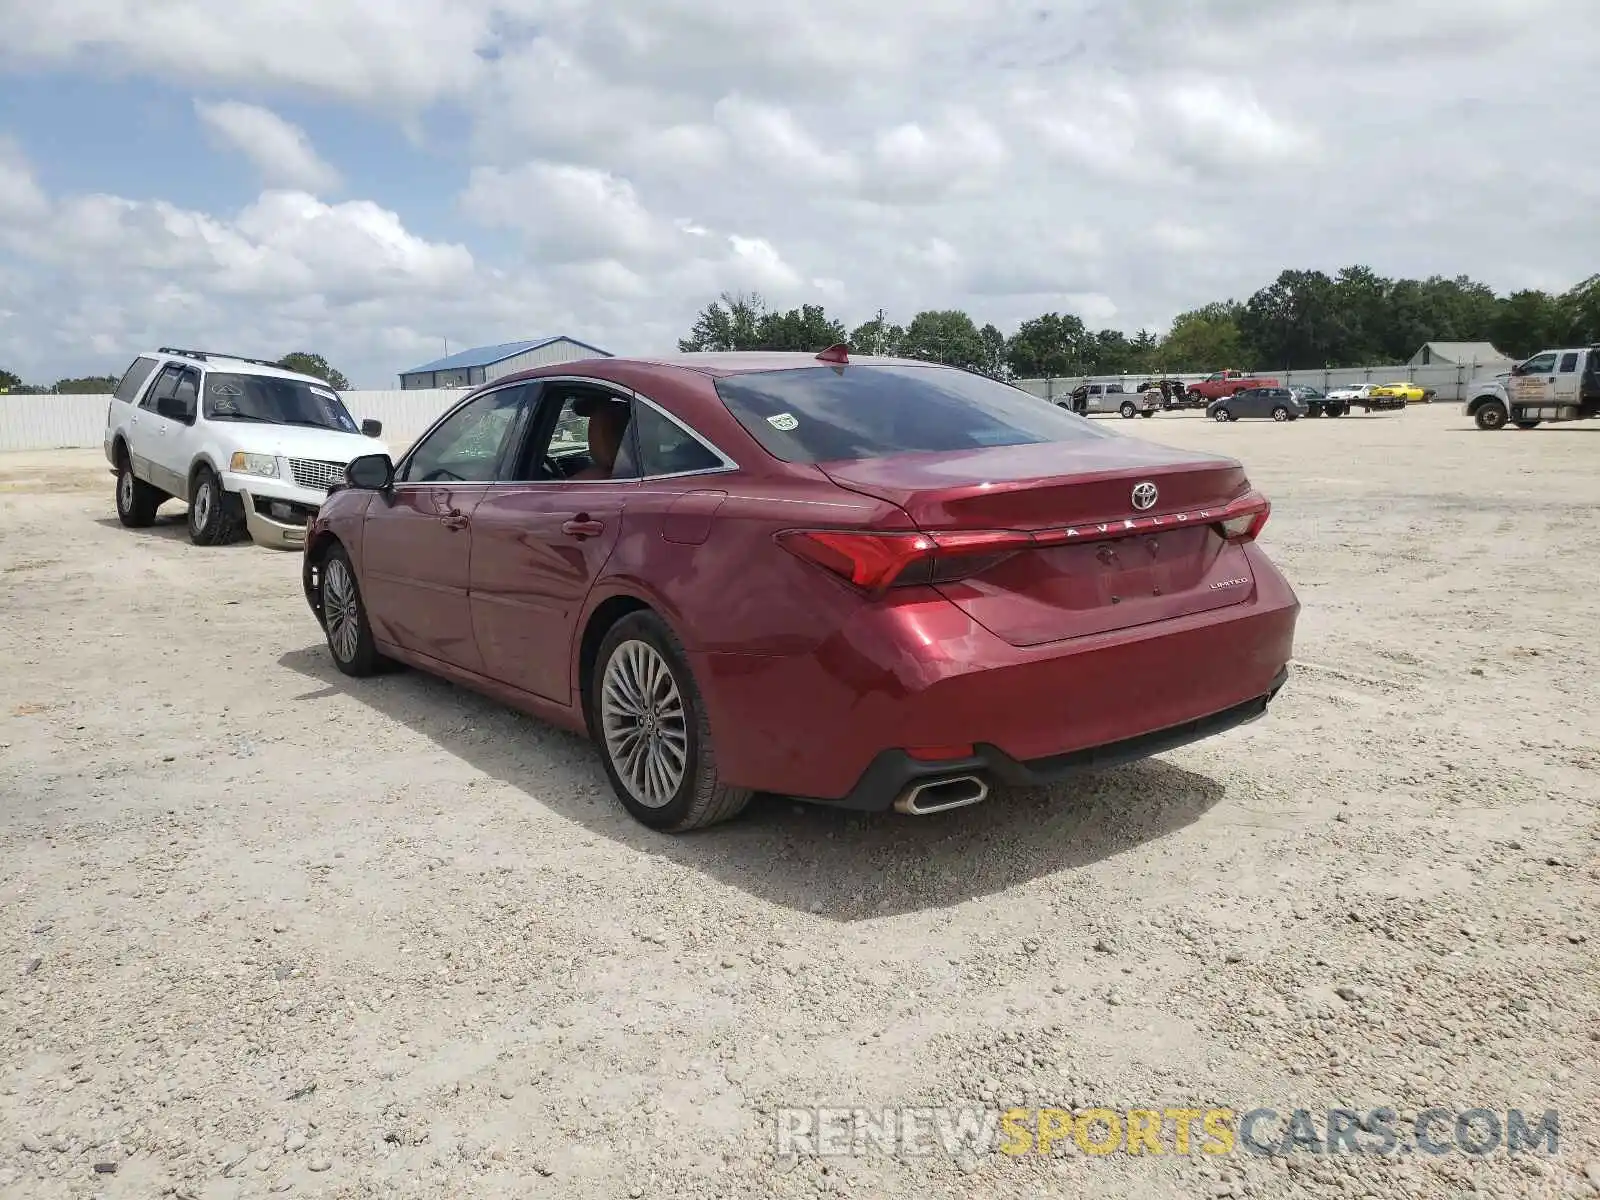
pixel 208 355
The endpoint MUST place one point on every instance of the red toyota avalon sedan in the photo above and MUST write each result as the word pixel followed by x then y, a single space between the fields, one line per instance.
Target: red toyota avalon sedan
pixel 870 582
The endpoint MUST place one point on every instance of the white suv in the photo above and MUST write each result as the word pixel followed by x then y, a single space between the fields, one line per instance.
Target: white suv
pixel 241 440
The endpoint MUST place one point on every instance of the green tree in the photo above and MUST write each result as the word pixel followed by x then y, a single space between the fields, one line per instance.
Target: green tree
pixel 9 382
pixel 727 324
pixel 877 336
pixel 1204 339
pixel 804 329
pixel 1527 322
pixel 994 351
pixel 945 336
pixel 313 364
pixel 1291 323
pixel 1049 345
pixel 1579 314
pixel 89 385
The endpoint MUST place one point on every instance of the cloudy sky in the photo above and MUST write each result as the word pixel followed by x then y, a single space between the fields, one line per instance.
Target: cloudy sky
pixel 367 179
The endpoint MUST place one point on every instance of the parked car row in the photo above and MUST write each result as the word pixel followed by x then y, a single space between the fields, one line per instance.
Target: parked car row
pixel 871 583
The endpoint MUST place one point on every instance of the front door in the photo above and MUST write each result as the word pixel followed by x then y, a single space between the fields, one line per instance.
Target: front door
pixel 1533 382
pixel 416 545
pixel 539 544
pixel 159 436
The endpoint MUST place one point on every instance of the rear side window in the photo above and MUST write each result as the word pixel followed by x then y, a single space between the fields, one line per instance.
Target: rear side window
pixel 833 414
pixel 1569 363
pixel 133 378
pixel 666 448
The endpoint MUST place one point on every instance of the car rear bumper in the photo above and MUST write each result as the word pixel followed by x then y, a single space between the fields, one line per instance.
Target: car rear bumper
pixel 894 772
pixel 907 684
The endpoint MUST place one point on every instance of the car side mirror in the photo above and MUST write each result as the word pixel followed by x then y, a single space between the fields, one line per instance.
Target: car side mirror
pixel 174 409
pixel 373 472
pixel 372 428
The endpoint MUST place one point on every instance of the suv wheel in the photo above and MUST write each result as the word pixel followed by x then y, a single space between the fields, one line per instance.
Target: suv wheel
pixel 137 501
pixel 650 726
pixel 210 521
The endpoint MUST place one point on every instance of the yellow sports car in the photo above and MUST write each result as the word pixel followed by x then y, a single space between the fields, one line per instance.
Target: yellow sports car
pixel 1411 393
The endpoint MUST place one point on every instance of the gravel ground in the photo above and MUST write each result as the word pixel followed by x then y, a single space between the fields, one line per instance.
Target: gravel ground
pixel 268 930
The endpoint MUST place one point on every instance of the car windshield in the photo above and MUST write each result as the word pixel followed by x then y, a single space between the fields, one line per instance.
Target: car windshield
pixel 275 400
pixel 833 414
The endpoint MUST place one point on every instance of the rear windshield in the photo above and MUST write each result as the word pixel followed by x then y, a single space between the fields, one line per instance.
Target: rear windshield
pixel 833 414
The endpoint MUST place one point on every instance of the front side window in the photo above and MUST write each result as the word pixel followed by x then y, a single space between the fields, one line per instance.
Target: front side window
pixel 274 400
pixel 165 386
pixel 469 445
pixel 831 414
pixel 133 378
pixel 1540 364
pixel 592 439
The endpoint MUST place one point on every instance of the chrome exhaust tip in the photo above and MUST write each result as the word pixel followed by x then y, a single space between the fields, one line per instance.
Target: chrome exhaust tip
pixel 941 795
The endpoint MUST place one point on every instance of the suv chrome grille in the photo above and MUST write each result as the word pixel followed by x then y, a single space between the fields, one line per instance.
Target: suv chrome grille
pixel 315 473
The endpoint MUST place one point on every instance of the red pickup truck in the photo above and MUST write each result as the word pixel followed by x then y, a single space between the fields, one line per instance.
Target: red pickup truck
pixel 1226 383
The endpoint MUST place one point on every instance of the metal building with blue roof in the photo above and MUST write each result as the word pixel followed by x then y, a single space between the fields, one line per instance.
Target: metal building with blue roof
pixel 469 368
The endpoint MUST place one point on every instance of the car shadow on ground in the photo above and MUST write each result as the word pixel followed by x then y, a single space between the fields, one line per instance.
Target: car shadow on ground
pixel 171 528
pixel 807 857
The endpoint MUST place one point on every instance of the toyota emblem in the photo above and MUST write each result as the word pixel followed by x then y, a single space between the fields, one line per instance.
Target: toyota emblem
pixel 1144 495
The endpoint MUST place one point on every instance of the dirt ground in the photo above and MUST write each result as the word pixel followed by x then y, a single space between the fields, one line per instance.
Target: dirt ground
pixel 264 929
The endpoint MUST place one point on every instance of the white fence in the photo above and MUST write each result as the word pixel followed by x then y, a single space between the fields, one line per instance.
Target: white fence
pixel 1451 382
pixel 57 422
pixel 60 422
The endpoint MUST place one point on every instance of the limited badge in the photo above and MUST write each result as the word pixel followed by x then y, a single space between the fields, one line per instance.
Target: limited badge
pixel 783 422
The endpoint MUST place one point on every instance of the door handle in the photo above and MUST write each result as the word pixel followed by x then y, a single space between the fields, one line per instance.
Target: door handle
pixel 454 519
pixel 583 526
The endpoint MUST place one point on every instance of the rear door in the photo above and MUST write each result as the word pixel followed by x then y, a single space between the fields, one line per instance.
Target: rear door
pixel 416 549
pixel 1569 370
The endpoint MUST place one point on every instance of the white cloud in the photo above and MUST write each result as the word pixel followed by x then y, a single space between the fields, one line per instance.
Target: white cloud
pixel 619 165
pixel 280 151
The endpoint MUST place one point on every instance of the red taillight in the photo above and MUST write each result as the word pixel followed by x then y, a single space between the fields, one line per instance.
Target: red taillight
pixel 875 561
pixel 1246 518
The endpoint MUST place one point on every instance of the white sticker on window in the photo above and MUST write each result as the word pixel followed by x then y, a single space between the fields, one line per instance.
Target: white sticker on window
pixel 783 421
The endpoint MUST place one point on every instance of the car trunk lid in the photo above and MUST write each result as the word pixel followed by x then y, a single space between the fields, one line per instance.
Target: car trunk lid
pixel 1098 560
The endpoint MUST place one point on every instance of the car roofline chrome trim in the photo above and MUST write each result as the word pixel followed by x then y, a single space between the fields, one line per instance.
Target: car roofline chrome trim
pixel 726 464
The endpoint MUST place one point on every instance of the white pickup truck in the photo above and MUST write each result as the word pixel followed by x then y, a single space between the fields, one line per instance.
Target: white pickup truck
pixel 240 440
pixel 1553 385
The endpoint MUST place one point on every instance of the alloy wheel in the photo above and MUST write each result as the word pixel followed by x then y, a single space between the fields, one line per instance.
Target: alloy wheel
pixel 340 610
pixel 645 724
pixel 125 490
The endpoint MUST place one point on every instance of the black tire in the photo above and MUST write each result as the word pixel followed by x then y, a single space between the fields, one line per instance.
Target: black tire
pixel 1149 412
pixel 211 520
pixel 1491 416
pixel 700 797
pixel 137 500
pixel 1526 424
pixel 1280 413
pixel 344 617
pixel 1127 409
pixel 1221 414
pixel 1336 410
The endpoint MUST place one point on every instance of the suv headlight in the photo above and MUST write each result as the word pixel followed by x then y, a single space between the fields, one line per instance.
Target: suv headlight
pixel 253 464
